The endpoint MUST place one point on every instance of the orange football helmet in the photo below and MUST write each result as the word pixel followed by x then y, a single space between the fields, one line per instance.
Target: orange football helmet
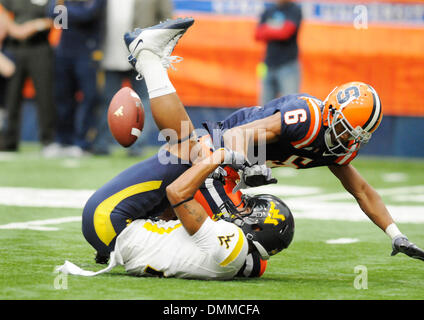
pixel 351 110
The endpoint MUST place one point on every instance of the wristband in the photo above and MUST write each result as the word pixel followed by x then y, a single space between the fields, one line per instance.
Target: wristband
pixel 393 231
pixel 184 201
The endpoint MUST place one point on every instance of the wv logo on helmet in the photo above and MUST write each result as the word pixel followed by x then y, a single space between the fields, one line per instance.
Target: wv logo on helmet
pixel 274 215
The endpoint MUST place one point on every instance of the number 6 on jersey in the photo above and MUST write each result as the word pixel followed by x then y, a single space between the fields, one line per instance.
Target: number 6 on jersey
pixel 295 116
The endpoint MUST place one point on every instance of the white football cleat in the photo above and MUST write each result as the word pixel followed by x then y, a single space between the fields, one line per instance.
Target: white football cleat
pixel 160 39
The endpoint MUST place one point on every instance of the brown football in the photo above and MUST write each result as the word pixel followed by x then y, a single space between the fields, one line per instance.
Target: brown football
pixel 125 116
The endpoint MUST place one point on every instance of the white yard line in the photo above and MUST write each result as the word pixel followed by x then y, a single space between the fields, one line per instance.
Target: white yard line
pixel 303 208
pixel 53 198
pixel 40 224
pixel 395 177
pixel 342 241
pixel 305 202
pixel 314 193
pixel 285 190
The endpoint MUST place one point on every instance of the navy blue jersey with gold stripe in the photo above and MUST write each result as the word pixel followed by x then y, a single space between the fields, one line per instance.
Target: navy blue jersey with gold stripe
pixel 137 192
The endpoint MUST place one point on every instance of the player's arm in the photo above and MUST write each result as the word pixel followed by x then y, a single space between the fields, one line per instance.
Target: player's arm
pixel 268 32
pixel 24 30
pixel 266 130
pixel 366 196
pixel 373 206
pixel 241 138
pixel 181 192
pixel 265 32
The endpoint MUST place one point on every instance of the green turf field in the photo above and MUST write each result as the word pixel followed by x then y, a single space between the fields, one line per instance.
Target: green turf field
pixel 31 244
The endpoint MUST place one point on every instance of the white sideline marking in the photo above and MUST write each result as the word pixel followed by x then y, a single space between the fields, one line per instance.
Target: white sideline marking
pixel 285 190
pixel 286 172
pixel 342 241
pixel 39 224
pixel 305 202
pixel 410 198
pixel 350 211
pixel 7 156
pixel 52 198
pixel 71 163
pixel 68 198
pixel 395 177
pixel 323 207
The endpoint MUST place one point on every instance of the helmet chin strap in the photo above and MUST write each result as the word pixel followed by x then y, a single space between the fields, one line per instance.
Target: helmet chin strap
pixel 262 251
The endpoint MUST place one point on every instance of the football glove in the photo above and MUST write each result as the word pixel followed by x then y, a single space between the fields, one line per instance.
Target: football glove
pixel 219 174
pixel 235 159
pixel 255 176
pixel 402 244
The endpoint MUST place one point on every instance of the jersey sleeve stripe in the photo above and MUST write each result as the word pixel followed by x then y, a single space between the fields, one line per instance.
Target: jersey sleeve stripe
pixel 346 159
pixel 236 251
pixel 314 127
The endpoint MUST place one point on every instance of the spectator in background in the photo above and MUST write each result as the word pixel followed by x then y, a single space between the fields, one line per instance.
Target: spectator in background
pixel 278 28
pixel 28 44
pixel 123 16
pixel 77 56
pixel 7 67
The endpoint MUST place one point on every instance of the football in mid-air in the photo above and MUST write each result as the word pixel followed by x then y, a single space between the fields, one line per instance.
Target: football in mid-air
pixel 126 116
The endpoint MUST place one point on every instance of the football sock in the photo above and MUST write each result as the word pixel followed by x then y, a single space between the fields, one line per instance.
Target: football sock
pixel 154 73
pixel 393 231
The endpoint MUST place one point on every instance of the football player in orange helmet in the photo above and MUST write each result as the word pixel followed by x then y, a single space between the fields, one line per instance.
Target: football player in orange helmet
pixel 352 112
pixel 301 131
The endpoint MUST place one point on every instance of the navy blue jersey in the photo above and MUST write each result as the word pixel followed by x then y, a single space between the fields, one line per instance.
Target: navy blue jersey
pixel 301 142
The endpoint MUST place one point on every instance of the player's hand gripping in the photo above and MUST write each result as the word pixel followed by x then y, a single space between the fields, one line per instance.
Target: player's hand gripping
pixel 219 174
pixel 402 244
pixel 235 159
pixel 255 176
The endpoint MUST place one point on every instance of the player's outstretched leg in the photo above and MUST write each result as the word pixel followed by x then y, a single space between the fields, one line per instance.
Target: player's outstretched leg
pixel 150 51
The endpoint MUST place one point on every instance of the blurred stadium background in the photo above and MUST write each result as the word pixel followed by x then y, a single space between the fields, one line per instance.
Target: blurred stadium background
pixel 219 72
